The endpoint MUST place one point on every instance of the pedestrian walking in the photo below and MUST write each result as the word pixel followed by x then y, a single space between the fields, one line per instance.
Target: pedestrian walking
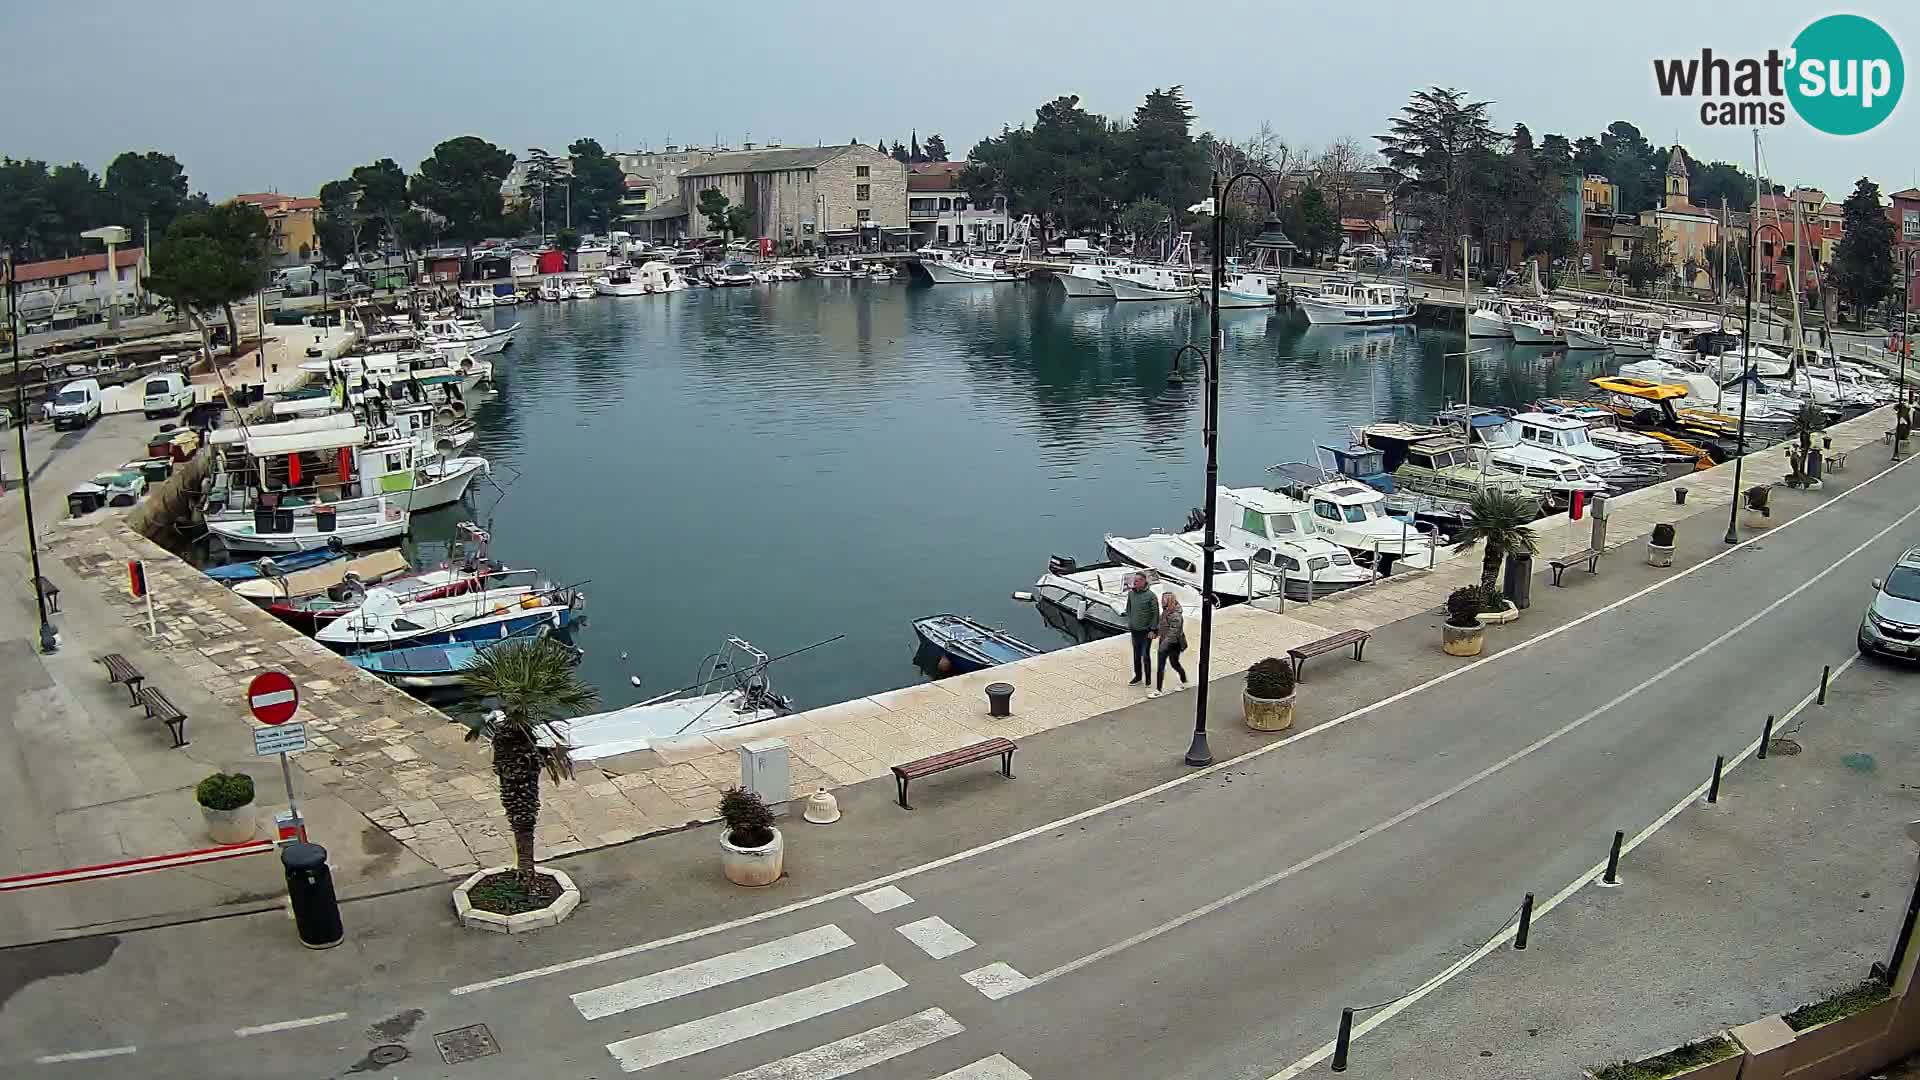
pixel 1143 618
pixel 1173 642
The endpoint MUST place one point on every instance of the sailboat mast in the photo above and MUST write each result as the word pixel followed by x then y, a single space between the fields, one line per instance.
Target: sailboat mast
pixel 1466 309
pixel 1723 262
pixel 1798 342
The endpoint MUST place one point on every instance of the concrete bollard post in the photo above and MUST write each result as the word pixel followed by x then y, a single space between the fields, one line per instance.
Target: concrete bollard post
pixel 1713 788
pixel 1826 673
pixel 1526 922
pixel 1612 876
pixel 1766 736
pixel 1343 1040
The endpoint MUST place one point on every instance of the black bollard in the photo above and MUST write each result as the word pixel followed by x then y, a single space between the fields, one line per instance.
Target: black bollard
pixel 316 913
pixel 1341 1040
pixel 1526 922
pixel 1713 789
pixel 1826 672
pixel 1766 736
pixel 1612 876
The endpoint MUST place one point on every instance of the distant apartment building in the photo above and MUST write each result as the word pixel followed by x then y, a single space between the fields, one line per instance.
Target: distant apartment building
pixel 1796 223
pixel 940 212
pixel 62 290
pixel 1904 212
pixel 851 197
pixel 290 233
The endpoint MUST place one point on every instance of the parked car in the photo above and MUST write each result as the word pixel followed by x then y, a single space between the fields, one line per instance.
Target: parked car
pixel 1891 626
pixel 76 405
pixel 165 394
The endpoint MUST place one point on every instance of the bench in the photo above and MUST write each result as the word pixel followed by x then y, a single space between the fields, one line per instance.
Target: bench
pixel 159 708
pixel 1587 555
pixel 119 670
pixel 1836 461
pixel 1301 653
pixel 953 759
pixel 51 591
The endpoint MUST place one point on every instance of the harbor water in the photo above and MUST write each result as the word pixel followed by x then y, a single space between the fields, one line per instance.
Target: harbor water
pixel 792 461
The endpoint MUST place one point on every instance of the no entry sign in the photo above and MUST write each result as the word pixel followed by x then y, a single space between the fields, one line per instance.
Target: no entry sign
pixel 272 697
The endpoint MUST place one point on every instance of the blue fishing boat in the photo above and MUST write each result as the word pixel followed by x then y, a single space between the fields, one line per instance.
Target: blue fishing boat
pixel 440 667
pixel 955 643
pixel 233 573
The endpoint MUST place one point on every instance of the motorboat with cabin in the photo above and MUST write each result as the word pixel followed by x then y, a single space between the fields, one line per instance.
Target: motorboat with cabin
pixel 967 270
pixel 1356 516
pixel 1491 317
pixel 1555 475
pixel 620 281
pixel 1535 324
pixel 1143 281
pixel 1431 461
pixel 1180 559
pixel 1097 594
pixel 1348 301
pixel 731 275
pixel 1086 277
pixel 1278 533
pixel 1585 331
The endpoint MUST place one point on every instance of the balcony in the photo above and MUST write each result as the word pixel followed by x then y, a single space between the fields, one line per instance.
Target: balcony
pixel 925 215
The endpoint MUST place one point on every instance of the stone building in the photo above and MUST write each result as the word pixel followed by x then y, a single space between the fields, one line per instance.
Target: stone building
pixel 840 196
pixel 1687 230
pixel 940 212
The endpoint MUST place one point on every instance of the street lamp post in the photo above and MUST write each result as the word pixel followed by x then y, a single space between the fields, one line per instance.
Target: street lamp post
pixel 1900 402
pixel 1746 369
pixel 1198 753
pixel 49 639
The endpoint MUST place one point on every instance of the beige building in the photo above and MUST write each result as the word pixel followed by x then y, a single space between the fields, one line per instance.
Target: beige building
pixel 1687 230
pixel 841 196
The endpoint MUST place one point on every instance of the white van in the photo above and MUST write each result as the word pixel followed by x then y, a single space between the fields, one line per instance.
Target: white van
pixel 76 405
pixel 165 394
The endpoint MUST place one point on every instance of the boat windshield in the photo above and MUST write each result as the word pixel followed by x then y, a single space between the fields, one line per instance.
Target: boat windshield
pixel 1574 437
pixel 1356 513
pixel 1904 584
pixel 1230 564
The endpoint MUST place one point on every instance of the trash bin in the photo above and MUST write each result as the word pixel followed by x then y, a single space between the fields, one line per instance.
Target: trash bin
pixel 325 518
pixel 316 913
pixel 1519 580
pixel 155 470
pixel 262 520
pixel 1679 496
pixel 999 699
pixel 283 520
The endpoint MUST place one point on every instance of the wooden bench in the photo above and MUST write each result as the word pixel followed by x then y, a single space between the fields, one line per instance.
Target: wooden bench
pixel 159 708
pixel 1301 653
pixel 119 670
pixel 952 759
pixel 52 592
pixel 1587 555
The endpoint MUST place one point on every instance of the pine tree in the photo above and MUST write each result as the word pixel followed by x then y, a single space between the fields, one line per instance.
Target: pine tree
pixel 1863 263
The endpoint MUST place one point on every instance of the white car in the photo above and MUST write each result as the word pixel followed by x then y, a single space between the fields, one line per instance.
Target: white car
pixel 166 394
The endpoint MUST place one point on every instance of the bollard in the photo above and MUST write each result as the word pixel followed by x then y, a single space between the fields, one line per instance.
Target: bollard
pixel 1766 736
pixel 1341 1040
pixel 1713 789
pixel 1826 672
pixel 1612 876
pixel 316 912
pixel 1526 922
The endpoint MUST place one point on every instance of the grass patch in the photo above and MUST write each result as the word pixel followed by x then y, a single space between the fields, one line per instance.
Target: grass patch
pixel 1843 1004
pixel 507 893
pixel 1677 1060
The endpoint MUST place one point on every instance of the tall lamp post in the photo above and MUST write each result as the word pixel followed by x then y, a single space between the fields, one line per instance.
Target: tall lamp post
pixel 1198 753
pixel 1906 343
pixel 49 640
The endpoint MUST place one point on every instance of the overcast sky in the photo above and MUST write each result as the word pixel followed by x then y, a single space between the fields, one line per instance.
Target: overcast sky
pixel 283 96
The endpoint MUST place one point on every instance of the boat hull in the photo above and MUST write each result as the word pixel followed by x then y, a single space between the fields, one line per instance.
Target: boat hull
pixel 1486 326
pixel 632 288
pixel 1084 288
pixel 239 535
pixel 1230 299
pixel 1578 340
pixel 488 629
pixel 1323 313
pixel 1523 334
pixel 941 273
pixel 1129 291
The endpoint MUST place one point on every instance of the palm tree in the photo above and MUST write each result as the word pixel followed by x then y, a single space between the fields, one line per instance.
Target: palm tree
pixel 1500 519
pixel 533 687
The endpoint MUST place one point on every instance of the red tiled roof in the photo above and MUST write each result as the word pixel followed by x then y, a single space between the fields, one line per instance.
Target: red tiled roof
pixel 275 202
pixel 79 264
pixel 1910 193
pixel 939 166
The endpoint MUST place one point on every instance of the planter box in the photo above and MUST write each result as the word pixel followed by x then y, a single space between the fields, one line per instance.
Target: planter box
pixel 1499 618
pixel 753 867
pixel 1462 640
pixel 234 826
pixel 1267 714
pixel 1658 555
pixel 475 919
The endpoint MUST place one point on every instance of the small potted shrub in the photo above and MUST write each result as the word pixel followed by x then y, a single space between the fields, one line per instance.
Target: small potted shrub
pixel 1462 634
pixel 752 851
pixel 1268 698
pixel 1660 545
pixel 1757 504
pixel 226 802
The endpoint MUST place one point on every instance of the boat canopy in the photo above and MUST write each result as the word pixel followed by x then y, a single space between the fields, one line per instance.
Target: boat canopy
pixel 1640 388
pixel 305 441
pixel 305 406
pixel 305 424
pixel 380 564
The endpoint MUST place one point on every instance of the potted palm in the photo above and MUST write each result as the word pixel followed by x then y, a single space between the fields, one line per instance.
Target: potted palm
pixel 526 691
pixel 226 803
pixel 1660 545
pixel 752 851
pixel 1462 634
pixel 1268 698
pixel 1500 521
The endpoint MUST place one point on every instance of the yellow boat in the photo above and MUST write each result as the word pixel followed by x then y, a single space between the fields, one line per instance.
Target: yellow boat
pixel 1698 423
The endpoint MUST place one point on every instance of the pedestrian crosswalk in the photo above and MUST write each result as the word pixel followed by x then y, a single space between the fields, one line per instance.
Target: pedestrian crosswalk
pixel 830 989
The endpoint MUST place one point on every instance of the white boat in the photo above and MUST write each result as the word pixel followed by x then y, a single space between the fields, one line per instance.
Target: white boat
pixel 1247 289
pixel 551 291
pixel 1143 281
pixel 1355 516
pixel 580 290
pixel 1535 324
pixel 731 274
pixel 833 268
pixel 966 270
pixel 1277 532
pixel 387 619
pixel 1627 338
pixel 476 296
pixel 1086 278
pixel 1491 434
pixel 1586 331
pixel 620 281
pixel 732 689
pixel 1179 559
pixel 478 340
pixel 1490 317
pixel 1570 437
pixel 660 277
pixel 881 272
pixel 359 528
pixel 1097 595
pixel 1350 302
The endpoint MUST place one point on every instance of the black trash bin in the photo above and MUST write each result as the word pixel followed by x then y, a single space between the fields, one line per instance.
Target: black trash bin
pixel 316 913
pixel 1519 580
pixel 325 517
pixel 999 699
pixel 283 520
pixel 262 520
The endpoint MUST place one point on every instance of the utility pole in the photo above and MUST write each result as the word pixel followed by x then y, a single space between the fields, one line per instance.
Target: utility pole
pixel 1746 349
pixel 49 639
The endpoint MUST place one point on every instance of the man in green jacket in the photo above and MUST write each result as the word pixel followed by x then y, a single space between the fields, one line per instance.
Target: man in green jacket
pixel 1143 618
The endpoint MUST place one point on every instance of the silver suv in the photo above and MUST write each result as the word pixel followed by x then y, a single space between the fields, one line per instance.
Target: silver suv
pixel 1892 623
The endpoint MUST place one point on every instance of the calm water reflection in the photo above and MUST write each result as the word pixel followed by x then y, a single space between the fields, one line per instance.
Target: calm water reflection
pixel 793 461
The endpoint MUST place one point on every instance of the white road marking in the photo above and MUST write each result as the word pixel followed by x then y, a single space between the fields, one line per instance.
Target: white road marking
pixel 996 981
pixel 1185 778
pixel 289 1025
pixel 844 1057
pixel 936 937
pixel 84 1055
pixel 996 1067
pixel 1428 803
pixel 714 971
pixel 699 1036
pixel 1589 877
pixel 884 899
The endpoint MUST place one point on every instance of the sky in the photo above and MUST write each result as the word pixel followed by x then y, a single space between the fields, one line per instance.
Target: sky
pixel 284 97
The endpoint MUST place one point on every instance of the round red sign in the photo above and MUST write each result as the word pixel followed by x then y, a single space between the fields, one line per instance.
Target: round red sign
pixel 272 697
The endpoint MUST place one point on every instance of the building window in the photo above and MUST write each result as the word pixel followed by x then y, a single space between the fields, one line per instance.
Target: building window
pixel 866 215
pixel 863 193
pixel 862 170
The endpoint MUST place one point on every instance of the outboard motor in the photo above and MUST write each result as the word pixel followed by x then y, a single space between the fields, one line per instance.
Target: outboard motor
pixel 1061 564
pixel 1196 520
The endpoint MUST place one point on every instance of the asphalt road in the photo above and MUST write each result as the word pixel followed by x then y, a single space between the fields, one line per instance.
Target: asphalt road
pixel 1212 929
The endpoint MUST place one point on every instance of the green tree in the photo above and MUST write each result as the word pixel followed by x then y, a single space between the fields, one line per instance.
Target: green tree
pixel 1436 146
pixel 536 687
pixel 900 153
pixel 337 224
pixel 1637 169
pixel 1862 271
pixel 461 182
pixel 415 231
pixel 1500 521
pixel 1706 184
pixel 739 221
pixel 1648 262
pixel 567 241
pixel 209 259
pixel 598 184
pixel 1143 219
pixel 44 210
pixel 713 206
pixel 383 199
pixel 146 191
pixel 1162 161
pixel 935 147
pixel 1066 168
pixel 1314 227
pixel 544 188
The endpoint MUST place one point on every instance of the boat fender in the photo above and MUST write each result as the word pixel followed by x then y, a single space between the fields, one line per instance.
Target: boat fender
pixel 1023 597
